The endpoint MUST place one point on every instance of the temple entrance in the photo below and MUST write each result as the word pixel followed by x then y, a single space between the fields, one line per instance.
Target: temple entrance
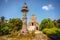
pixel 36 28
pixel 32 24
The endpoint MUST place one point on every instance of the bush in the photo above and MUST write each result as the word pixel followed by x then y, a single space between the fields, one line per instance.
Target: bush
pixel 53 33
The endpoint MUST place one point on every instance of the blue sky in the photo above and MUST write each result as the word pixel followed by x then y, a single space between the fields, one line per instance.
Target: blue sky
pixel 41 8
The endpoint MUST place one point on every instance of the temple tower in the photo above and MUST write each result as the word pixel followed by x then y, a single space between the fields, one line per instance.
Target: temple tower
pixel 24 19
pixel 33 24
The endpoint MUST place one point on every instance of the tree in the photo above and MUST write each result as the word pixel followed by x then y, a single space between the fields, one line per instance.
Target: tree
pixel 15 23
pixel 4 29
pixel 2 19
pixel 12 25
pixel 51 28
pixel 57 23
pixel 46 23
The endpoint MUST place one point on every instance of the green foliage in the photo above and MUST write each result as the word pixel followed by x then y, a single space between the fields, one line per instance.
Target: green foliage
pixel 46 23
pixel 50 27
pixel 4 29
pixel 50 31
pixel 58 34
pixel 15 23
pixel 7 26
pixel 57 23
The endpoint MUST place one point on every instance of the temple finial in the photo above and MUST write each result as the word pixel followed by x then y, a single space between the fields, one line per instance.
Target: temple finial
pixel 25 8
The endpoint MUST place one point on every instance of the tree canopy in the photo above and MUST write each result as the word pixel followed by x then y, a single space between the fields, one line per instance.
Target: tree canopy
pixel 15 23
pixel 7 26
pixel 46 23
pixel 51 28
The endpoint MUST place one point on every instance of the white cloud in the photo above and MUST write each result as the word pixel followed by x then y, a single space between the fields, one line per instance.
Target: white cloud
pixel 48 7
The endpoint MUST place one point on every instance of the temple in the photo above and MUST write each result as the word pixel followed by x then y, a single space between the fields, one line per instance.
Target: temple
pixel 32 25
